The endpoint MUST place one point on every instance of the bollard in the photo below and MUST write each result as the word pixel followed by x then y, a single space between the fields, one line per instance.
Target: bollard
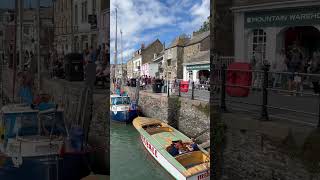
pixel 264 110
pixel 168 88
pixel 223 88
pixel 179 89
pixel 192 91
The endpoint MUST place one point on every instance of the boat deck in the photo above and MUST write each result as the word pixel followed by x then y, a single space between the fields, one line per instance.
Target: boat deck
pixel 166 138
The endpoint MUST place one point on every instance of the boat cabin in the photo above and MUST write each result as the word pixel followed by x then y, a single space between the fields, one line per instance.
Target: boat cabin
pixel 20 120
pixel 119 100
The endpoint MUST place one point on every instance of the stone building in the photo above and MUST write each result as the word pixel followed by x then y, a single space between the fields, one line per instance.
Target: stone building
pixel 275 25
pixel 136 63
pixel 149 68
pixel 86 16
pixel 173 58
pixel 130 69
pixel 63 26
pixel 104 23
pixel 196 65
pixel 159 60
pixel 224 40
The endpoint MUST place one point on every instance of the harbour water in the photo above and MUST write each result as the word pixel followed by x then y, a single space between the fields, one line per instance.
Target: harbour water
pixel 129 159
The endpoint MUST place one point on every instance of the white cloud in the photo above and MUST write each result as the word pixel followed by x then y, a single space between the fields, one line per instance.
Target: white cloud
pixel 200 13
pixel 142 21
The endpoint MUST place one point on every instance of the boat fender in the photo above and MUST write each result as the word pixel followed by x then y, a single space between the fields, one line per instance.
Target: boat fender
pixel 17 161
pixel 114 109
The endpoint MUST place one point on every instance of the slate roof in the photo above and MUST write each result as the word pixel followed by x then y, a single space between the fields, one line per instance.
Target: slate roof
pixel 198 38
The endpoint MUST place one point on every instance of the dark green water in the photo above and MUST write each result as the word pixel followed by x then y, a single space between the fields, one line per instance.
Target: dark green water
pixel 129 159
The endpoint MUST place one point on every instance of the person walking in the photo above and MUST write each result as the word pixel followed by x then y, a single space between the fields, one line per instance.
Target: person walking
pixel 279 66
pixel 294 66
pixel 257 66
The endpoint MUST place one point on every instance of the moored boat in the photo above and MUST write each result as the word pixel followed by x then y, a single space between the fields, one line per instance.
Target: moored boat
pixel 122 108
pixel 28 133
pixel 157 137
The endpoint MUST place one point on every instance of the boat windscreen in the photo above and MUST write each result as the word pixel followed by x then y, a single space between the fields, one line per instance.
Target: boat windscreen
pixel 120 100
pixel 23 124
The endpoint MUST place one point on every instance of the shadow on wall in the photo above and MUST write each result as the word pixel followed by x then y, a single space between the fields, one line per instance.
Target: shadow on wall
pixel 174 106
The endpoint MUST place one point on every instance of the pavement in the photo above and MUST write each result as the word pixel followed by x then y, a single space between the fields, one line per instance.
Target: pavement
pixel 300 109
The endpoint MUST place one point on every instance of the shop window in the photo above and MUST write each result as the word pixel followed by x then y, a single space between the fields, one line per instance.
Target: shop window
pixel 190 74
pixel 259 42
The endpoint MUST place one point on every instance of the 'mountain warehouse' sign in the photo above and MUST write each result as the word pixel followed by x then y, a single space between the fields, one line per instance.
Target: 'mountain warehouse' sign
pixel 283 17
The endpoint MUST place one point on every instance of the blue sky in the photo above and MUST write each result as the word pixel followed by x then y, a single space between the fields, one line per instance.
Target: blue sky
pixel 10 3
pixel 143 21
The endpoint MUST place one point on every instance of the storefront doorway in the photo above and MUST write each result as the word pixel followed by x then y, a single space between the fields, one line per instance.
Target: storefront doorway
pixel 203 76
pixel 307 37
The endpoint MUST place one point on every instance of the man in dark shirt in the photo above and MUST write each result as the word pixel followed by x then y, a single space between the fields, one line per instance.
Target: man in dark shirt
pixel 173 150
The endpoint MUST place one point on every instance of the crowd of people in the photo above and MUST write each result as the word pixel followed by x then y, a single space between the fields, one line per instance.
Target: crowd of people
pixel 97 56
pixel 286 68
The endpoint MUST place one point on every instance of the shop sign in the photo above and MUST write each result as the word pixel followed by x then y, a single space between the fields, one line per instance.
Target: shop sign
pixel 198 67
pixel 283 17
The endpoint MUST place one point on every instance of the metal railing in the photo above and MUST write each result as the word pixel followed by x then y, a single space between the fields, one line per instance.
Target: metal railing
pixel 194 91
pixel 269 93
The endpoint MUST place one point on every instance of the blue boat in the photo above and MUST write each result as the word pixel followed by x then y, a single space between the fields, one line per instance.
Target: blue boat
pixel 122 108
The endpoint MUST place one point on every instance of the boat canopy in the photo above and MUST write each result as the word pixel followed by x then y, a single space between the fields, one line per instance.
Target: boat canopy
pixel 28 122
pixel 117 100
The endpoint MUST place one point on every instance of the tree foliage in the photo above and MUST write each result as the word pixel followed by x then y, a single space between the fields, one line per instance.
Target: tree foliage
pixel 204 27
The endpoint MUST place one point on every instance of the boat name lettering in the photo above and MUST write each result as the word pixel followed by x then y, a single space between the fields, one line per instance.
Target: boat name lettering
pixel 149 146
pixel 204 175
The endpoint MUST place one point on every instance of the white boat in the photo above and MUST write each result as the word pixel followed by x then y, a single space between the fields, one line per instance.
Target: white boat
pixel 157 136
pixel 29 133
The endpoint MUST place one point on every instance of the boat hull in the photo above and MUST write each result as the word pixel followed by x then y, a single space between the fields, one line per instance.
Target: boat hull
pixel 157 149
pixel 124 116
pixel 168 166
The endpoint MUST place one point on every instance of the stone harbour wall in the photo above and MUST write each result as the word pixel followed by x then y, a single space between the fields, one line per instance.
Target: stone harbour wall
pixel 191 117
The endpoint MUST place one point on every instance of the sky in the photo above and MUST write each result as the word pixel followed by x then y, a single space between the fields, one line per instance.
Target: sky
pixel 10 3
pixel 143 21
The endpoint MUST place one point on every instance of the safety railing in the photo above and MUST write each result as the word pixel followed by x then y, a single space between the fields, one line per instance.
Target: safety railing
pixel 284 95
pixel 191 90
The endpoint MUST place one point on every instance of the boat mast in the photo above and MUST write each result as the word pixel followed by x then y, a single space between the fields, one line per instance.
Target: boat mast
pixel 20 35
pixel 15 49
pixel 121 56
pixel 38 45
pixel 116 47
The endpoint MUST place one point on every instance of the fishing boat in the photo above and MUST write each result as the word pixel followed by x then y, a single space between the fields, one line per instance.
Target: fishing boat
pixel 122 108
pixel 158 136
pixel 27 133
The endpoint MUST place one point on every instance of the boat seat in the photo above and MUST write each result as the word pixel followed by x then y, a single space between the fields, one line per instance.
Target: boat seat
pixel 155 130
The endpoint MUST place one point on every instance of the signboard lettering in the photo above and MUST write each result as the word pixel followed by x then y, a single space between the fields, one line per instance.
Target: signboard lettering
pixel 198 67
pixel 149 146
pixel 204 175
pixel 283 17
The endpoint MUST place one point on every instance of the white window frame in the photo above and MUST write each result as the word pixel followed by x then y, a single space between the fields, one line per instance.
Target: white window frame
pixel 259 38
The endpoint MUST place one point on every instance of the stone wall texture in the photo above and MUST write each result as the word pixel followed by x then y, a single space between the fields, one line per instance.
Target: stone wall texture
pixel 264 150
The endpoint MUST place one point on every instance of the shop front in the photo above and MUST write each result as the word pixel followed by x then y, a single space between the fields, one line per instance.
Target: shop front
pixel 276 27
pixel 199 73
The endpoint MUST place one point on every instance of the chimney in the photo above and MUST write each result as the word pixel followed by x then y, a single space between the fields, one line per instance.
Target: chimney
pixel 142 46
pixel 164 45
